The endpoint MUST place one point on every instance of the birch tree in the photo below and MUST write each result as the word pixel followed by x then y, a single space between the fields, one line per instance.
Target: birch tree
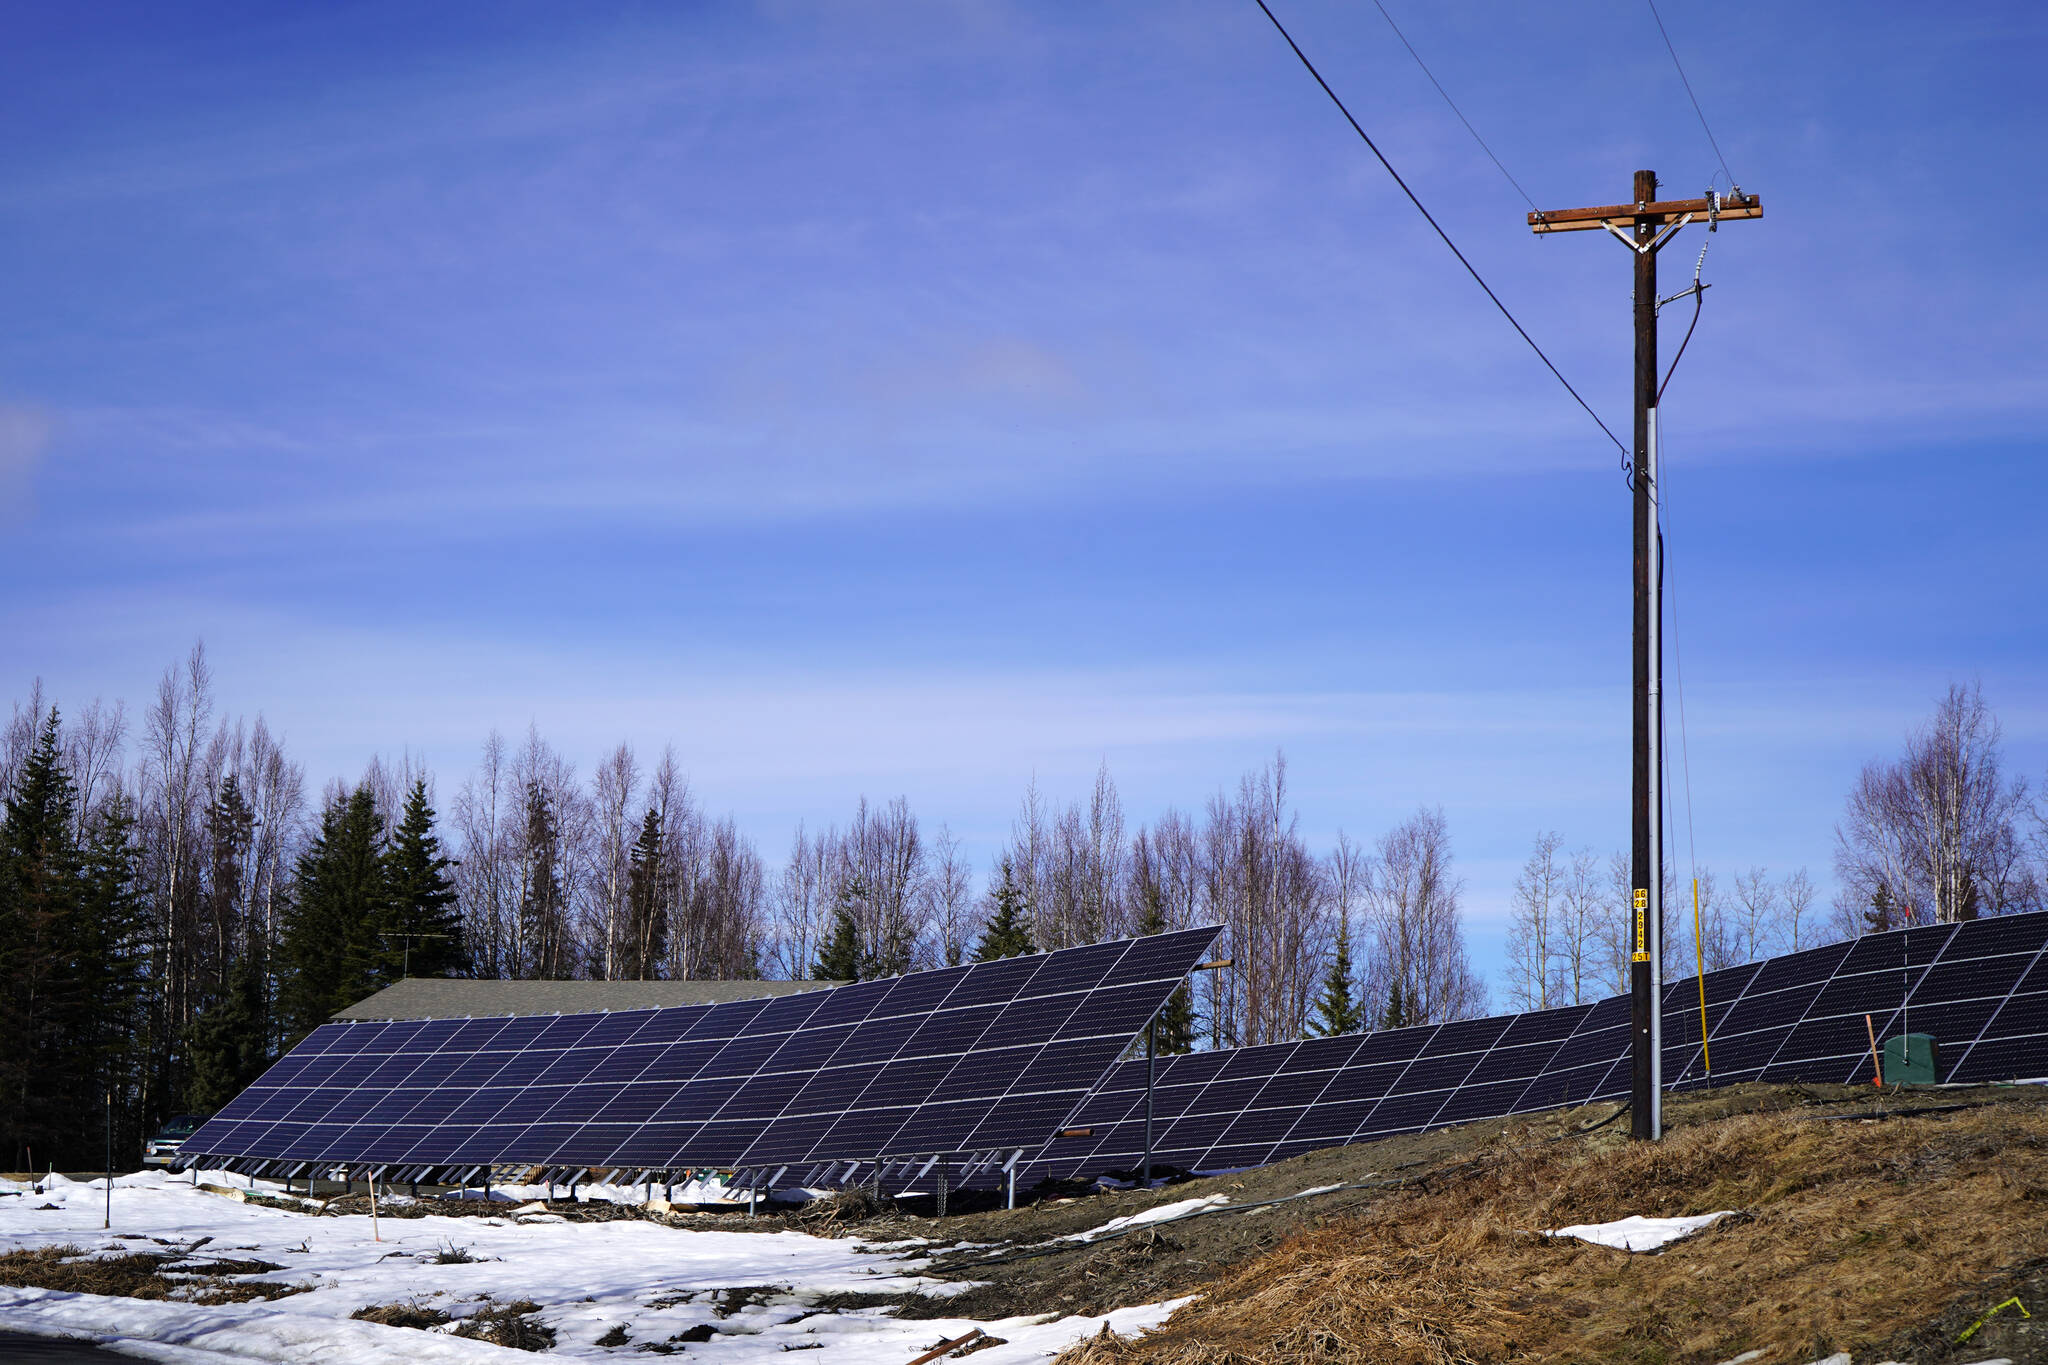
pixel 614 788
pixel 1936 832
pixel 1416 967
pixel 950 902
pixel 802 907
pixel 173 782
pixel 485 878
pixel 1582 932
pixel 1534 925
pixel 1756 917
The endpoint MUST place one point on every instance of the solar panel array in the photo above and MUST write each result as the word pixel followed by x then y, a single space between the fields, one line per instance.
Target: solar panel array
pixel 972 1062
pixel 1980 988
pixel 959 1061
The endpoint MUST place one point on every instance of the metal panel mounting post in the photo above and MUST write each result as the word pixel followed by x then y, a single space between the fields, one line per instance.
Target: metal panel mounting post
pixel 1644 225
pixel 1151 1053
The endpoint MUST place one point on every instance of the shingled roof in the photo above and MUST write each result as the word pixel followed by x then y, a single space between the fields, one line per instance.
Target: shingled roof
pixel 433 997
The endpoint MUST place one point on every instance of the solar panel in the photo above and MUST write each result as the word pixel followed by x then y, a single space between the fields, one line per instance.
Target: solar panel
pixel 953 1061
pixel 2013 1042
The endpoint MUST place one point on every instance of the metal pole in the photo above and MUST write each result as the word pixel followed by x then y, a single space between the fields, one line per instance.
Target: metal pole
pixel 110 1160
pixel 1645 909
pixel 1151 1055
pixel 1656 776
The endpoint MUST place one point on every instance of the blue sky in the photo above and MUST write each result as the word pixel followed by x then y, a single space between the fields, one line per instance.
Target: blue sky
pixel 920 398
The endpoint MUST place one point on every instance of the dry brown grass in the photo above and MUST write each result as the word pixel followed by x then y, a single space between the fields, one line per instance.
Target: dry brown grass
pixel 1856 1229
pixel 854 1204
pixel 140 1275
pixel 406 1313
pixel 509 1324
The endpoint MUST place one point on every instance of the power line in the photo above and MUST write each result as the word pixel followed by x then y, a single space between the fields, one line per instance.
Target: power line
pixel 1453 103
pixel 1374 149
pixel 1711 139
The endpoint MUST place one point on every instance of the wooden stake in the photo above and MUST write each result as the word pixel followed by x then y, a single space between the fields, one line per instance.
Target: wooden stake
pixel 1877 1078
pixel 945 1348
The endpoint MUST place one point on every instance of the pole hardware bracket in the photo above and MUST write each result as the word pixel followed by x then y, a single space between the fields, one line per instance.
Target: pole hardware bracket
pixel 1643 248
pixel 1684 293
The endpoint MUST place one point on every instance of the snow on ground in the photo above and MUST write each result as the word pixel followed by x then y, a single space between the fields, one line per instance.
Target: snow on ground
pixel 1637 1233
pixel 587 1277
pixel 706 1190
pixel 1163 1213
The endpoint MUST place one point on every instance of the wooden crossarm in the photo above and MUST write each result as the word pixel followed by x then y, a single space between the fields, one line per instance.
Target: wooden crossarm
pixel 1663 212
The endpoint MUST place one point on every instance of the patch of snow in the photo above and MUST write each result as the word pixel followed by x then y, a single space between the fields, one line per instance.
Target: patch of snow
pixel 588 1278
pixel 1637 1233
pixel 1163 1213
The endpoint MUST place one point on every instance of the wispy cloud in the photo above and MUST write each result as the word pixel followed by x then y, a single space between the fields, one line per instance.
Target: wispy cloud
pixel 24 443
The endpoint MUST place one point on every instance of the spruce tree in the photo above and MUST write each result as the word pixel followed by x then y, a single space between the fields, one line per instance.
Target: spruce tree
pixel 1339 1010
pixel 1398 1009
pixel 543 928
pixel 1008 932
pixel 1173 1028
pixel 230 830
pixel 71 946
pixel 113 950
pixel 646 902
pixel 840 958
pixel 40 1004
pixel 227 1041
pixel 421 930
pixel 338 904
pixel 1883 913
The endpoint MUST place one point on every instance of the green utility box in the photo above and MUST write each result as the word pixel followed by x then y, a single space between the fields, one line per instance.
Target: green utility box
pixel 1912 1059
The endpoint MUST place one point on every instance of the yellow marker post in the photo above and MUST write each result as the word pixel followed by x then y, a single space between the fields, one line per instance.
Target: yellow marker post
pixel 1699 957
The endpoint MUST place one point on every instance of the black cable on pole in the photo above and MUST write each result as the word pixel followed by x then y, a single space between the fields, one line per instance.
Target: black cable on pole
pixel 1698 295
pixel 1428 217
pixel 1711 139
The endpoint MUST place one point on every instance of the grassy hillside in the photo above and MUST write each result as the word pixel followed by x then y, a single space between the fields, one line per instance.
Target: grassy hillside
pixel 1878 1236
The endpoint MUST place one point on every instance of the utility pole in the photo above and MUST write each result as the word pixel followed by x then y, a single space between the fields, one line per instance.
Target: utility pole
pixel 1644 225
